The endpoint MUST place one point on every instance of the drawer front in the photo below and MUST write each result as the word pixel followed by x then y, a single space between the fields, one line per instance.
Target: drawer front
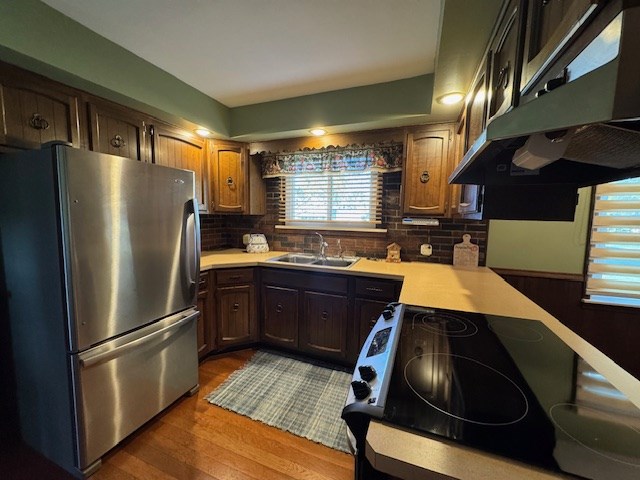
pixel 383 289
pixel 307 281
pixel 234 276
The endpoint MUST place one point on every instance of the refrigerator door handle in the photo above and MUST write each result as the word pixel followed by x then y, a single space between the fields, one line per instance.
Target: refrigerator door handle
pixel 192 251
pixel 90 360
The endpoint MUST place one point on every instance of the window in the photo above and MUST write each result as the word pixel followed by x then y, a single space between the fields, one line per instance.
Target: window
pixel 613 275
pixel 345 200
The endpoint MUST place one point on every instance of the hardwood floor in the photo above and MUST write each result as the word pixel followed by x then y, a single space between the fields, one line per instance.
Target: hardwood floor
pixel 195 440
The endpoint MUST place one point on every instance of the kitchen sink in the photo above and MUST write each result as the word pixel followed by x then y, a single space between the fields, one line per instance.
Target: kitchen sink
pixel 295 258
pixel 314 261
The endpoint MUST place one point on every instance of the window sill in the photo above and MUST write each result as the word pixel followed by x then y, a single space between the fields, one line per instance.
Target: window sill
pixel 333 229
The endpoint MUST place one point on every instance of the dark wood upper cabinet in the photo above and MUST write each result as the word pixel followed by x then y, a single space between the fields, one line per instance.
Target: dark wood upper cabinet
pixel 117 131
pixel 228 177
pixel 236 184
pixel 424 177
pixel 174 147
pixel 34 111
pixel 506 63
pixel 551 26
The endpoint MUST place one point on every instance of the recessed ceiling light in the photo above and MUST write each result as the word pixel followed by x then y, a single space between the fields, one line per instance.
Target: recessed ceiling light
pixel 203 132
pixel 318 132
pixel 451 98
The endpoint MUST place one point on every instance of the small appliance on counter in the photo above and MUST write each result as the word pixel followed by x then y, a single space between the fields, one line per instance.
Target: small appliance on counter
pixel 256 243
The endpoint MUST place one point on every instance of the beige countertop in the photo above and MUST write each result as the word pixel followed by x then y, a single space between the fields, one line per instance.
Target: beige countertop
pixel 444 286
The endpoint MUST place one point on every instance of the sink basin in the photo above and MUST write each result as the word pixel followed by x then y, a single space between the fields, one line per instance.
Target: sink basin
pixel 336 262
pixel 312 260
pixel 296 258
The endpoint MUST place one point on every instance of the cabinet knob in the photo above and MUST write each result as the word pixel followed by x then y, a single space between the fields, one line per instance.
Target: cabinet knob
pixel 424 178
pixel 279 308
pixel 236 307
pixel 38 122
pixel 324 315
pixel 117 142
pixel 503 76
pixel 229 181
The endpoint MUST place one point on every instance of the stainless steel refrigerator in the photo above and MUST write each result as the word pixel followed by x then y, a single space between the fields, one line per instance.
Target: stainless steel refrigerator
pixel 101 260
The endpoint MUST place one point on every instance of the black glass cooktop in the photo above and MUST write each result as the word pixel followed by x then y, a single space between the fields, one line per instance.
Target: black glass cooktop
pixel 510 387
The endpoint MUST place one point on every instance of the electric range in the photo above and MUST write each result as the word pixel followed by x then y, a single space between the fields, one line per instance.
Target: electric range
pixel 506 386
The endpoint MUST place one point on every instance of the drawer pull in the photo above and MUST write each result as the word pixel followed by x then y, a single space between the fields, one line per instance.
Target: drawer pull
pixel 236 307
pixel 279 308
pixel 374 289
pixel 230 181
pixel 324 315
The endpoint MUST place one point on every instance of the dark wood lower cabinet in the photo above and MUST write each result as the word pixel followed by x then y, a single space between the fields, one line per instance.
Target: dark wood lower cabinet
pixel 326 322
pixel 237 322
pixel 280 316
pixel 367 313
pixel 236 312
pixel 205 326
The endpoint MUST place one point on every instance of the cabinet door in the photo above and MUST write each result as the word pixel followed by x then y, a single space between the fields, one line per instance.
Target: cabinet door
pixel 236 315
pixel 117 131
pixel 325 325
pixel 506 62
pixel 33 113
pixel 425 174
pixel 280 316
pixel 227 167
pixel 367 313
pixel 177 148
pixel 551 27
pixel 205 326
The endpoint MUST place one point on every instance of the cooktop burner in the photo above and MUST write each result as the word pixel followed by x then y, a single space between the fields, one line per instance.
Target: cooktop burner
pixel 510 387
pixel 446 324
pixel 490 383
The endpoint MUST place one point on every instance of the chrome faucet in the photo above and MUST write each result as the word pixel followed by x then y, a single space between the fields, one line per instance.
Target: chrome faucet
pixel 339 249
pixel 323 246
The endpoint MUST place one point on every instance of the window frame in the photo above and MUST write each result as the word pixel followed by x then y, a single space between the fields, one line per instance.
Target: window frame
pixel 602 300
pixel 375 204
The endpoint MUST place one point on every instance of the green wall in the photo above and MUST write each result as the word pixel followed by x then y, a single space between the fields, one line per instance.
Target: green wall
pixel 541 246
pixel 407 101
pixel 39 38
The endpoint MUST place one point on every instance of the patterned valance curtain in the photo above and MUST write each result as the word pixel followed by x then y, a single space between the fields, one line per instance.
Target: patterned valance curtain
pixel 387 158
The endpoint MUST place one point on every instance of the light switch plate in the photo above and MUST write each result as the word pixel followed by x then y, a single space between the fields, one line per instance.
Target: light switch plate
pixel 426 250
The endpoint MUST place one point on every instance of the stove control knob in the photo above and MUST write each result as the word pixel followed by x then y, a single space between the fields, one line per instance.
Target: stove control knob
pixel 367 372
pixel 387 313
pixel 361 389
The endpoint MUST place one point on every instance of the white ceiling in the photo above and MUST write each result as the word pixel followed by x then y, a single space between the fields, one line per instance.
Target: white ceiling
pixel 242 52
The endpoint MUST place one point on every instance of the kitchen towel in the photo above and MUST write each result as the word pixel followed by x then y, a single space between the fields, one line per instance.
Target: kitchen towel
pixel 292 395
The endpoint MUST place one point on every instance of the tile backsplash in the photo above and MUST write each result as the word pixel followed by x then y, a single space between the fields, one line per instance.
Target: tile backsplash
pixel 220 231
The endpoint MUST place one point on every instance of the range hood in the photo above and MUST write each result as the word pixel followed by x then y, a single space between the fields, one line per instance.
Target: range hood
pixel 584 132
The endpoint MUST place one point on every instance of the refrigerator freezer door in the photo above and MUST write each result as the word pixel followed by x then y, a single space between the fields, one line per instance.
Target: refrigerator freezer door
pixel 125 382
pixel 130 239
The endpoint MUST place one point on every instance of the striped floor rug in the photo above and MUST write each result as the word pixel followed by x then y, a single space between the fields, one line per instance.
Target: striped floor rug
pixel 289 394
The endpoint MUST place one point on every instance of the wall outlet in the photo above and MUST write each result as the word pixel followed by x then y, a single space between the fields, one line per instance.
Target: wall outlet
pixel 426 250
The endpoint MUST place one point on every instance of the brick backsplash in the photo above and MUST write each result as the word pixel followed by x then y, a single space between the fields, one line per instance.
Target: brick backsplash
pixel 219 231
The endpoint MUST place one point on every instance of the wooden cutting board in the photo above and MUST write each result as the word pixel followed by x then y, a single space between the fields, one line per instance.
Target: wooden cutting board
pixel 465 254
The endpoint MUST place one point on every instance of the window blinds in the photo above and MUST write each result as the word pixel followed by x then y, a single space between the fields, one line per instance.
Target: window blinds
pixel 336 200
pixel 613 275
